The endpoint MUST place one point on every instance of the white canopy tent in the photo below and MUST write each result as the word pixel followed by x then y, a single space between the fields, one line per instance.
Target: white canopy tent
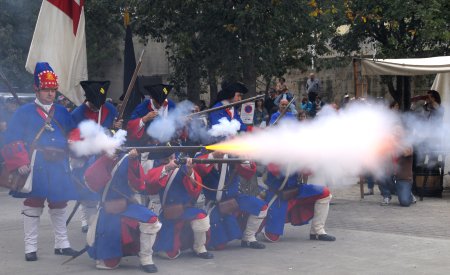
pixel 416 66
pixel 410 66
pixel 439 65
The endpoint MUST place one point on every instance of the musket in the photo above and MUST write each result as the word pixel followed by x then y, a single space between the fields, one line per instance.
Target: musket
pixel 78 254
pixel 225 106
pixel 181 161
pixel 122 107
pixel 164 149
pixel 284 111
pixel 10 89
pixel 74 210
pixel 82 251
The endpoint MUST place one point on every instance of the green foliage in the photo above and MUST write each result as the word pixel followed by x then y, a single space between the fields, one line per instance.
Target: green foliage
pixel 236 39
pixel 17 20
pixel 104 31
pixel 398 28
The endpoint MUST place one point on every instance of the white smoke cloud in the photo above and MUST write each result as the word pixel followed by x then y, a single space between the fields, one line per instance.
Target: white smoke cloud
pixel 225 128
pixel 95 140
pixel 165 128
pixel 335 145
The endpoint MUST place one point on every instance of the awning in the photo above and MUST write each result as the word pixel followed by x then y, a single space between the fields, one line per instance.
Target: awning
pixel 410 66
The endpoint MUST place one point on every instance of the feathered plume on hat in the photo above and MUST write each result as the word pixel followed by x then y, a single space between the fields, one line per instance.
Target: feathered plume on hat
pixel 45 77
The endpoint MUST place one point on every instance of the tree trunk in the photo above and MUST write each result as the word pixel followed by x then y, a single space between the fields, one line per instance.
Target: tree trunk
pixel 402 92
pixel 193 83
pixel 212 82
pixel 249 73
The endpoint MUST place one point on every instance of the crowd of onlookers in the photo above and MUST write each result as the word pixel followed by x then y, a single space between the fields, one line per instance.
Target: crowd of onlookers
pixel 310 105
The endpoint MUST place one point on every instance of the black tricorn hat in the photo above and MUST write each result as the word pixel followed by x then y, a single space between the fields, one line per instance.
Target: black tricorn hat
pixel 230 89
pixel 159 92
pixel 95 91
pixel 161 155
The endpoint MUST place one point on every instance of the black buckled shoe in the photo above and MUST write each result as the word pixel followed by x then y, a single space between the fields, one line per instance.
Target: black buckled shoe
pixel 149 268
pixel 254 245
pixel 205 255
pixel 65 251
pixel 322 237
pixel 31 257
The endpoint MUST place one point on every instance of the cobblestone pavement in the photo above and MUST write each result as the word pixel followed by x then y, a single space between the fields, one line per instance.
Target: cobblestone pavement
pixel 427 218
pixel 371 239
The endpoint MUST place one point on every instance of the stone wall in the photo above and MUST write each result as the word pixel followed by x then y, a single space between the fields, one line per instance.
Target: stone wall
pixel 336 82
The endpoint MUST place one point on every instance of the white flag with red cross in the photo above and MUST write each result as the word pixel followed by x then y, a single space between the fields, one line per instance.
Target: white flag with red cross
pixel 60 39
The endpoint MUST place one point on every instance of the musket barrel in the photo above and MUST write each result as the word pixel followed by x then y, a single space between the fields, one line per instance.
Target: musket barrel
pixel 163 149
pixel 213 161
pixel 226 106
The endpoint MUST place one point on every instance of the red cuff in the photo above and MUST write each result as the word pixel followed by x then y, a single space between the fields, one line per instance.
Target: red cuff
pixel 273 169
pixel 134 130
pixel 247 172
pixel 135 175
pixel 192 188
pixel 154 181
pixel 15 155
pixel 74 135
pixel 203 169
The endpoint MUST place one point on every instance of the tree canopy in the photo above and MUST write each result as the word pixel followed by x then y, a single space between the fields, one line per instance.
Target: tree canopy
pixel 239 40
pixel 17 21
pixel 399 28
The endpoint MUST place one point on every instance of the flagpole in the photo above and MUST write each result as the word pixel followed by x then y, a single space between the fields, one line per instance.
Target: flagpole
pixel 122 108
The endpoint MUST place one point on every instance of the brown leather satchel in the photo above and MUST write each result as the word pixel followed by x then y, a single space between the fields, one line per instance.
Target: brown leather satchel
pixel 115 206
pixel 228 206
pixel 13 181
pixel 53 153
pixel 289 194
pixel 173 211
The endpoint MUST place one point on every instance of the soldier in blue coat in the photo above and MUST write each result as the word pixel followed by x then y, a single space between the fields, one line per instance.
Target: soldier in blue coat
pixel 230 93
pixel 290 202
pixel 94 108
pixel 184 225
pixel 36 145
pixel 306 202
pixel 122 227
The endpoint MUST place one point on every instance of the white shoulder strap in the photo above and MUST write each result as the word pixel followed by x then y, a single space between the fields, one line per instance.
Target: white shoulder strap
pixel 223 174
pixel 169 183
pixel 105 192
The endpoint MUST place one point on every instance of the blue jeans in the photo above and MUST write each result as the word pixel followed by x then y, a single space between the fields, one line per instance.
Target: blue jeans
pixel 402 188
pixel 370 181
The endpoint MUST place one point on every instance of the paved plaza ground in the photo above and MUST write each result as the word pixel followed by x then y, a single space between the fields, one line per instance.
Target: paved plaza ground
pixel 371 239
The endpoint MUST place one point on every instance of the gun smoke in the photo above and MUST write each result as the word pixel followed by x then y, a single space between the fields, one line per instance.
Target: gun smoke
pixel 164 129
pixel 96 140
pixel 356 140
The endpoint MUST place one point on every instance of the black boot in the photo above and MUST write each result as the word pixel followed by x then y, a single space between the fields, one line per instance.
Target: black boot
pixel 205 255
pixel 322 237
pixel 254 245
pixel 65 251
pixel 31 257
pixel 149 268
